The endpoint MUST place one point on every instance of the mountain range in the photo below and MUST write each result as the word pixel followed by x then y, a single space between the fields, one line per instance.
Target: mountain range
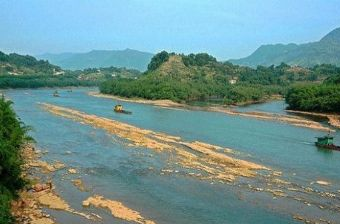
pixel 127 58
pixel 325 51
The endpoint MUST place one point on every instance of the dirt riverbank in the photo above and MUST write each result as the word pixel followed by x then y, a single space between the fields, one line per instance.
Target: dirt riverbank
pixel 289 119
pixel 160 103
pixel 333 119
pixel 28 208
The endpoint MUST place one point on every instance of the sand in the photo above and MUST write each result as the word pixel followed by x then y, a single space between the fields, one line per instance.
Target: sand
pixel 79 184
pixel 117 209
pixel 160 103
pixel 292 120
pixel 322 182
pixel 289 119
pixel 333 119
pixel 27 209
pixel 212 160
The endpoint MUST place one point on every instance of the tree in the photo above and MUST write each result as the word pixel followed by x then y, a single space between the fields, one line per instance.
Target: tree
pixel 157 60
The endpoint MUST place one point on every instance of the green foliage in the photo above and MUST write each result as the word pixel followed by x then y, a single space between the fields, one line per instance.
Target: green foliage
pixel 17 71
pixel 201 78
pixel 5 206
pixel 36 81
pixel 12 137
pixel 157 60
pixel 19 64
pixel 319 98
pixel 333 79
pixel 198 59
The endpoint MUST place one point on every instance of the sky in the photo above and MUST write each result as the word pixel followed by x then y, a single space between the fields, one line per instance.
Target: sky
pixel 224 28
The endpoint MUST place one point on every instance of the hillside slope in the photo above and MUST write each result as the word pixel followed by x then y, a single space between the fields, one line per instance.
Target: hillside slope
pixel 325 51
pixel 19 71
pixel 127 58
pixel 15 64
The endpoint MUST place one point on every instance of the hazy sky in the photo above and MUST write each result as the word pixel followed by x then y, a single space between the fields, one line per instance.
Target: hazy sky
pixel 223 28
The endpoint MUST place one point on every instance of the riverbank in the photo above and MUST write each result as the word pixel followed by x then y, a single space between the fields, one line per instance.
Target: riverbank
pixel 160 103
pixel 40 192
pixel 333 119
pixel 289 119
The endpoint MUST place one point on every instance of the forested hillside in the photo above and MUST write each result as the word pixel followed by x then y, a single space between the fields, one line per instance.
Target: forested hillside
pixel 15 64
pixel 18 71
pixel 200 77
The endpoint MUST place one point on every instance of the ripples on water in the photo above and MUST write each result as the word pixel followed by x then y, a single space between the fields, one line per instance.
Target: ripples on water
pixel 134 175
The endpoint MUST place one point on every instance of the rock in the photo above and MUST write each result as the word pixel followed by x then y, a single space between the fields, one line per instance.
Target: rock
pixel 41 187
pixel 86 203
pixel 37 187
pixel 72 171
pixel 58 165
pixel 322 182
pixel 298 217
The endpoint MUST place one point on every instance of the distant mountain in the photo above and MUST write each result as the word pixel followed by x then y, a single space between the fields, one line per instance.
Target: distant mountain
pixel 127 58
pixel 325 51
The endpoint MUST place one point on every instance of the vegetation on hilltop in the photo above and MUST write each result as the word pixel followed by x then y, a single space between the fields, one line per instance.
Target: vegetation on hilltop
pixel 15 64
pixel 17 71
pixel 186 78
pixel 200 77
pixel 12 137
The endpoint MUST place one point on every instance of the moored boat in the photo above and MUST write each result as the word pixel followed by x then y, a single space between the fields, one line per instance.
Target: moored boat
pixel 119 109
pixel 327 142
pixel 56 94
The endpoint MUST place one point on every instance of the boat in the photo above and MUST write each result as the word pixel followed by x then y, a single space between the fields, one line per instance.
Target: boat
pixel 119 109
pixel 56 94
pixel 326 142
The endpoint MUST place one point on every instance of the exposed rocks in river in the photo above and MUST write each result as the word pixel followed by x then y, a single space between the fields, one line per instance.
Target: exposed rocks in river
pixel 117 209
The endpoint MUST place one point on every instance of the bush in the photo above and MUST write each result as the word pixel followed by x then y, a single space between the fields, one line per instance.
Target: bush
pixel 318 98
pixel 12 137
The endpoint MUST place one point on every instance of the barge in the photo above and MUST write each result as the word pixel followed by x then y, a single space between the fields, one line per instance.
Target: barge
pixel 326 142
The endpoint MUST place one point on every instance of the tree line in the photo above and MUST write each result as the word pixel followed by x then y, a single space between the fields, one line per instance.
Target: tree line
pixel 13 135
pixel 317 98
pixel 202 78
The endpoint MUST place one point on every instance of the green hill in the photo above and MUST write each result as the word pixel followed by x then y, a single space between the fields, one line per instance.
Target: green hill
pixel 18 71
pixel 200 77
pixel 15 64
pixel 325 51
pixel 127 58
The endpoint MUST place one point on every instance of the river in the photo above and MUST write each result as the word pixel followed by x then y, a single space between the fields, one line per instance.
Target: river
pixel 133 175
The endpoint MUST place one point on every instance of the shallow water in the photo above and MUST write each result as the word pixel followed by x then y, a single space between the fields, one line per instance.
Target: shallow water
pixel 133 175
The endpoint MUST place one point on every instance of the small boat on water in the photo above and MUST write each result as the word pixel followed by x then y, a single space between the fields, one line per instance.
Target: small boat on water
pixel 326 142
pixel 56 94
pixel 119 109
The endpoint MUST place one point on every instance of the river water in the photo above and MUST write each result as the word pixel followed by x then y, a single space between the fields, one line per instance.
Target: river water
pixel 109 167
